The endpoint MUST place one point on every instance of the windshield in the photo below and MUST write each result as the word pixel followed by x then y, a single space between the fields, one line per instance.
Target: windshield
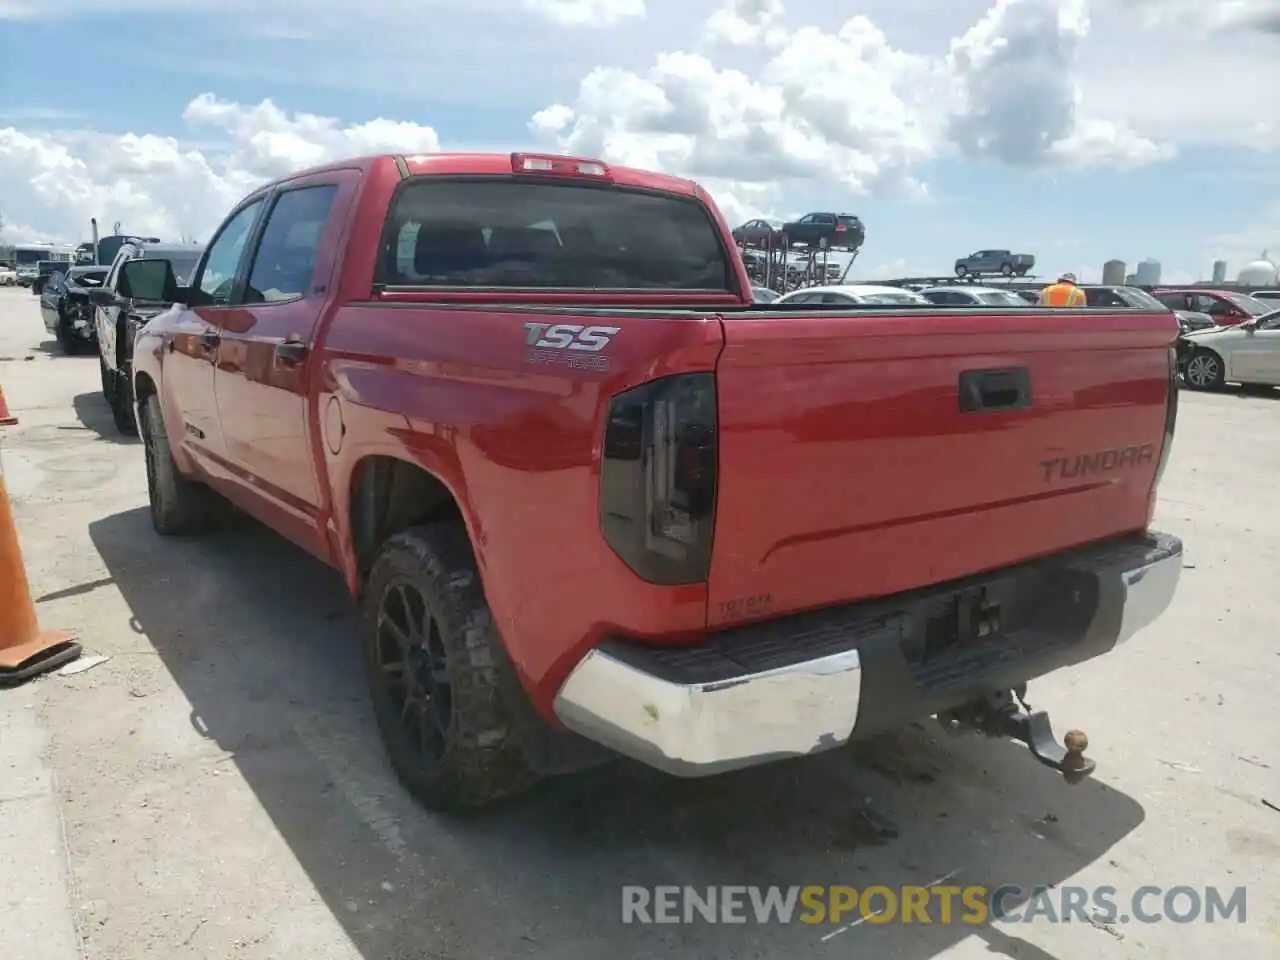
pixel 1134 297
pixel 30 256
pixel 1255 308
pixel 534 234
pixel 890 298
pixel 998 298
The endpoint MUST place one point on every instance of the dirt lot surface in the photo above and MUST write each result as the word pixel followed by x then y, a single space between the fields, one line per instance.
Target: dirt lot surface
pixel 216 789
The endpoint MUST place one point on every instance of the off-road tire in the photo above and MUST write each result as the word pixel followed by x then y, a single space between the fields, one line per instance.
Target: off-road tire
pixel 482 759
pixel 178 505
pixel 1205 370
pixel 961 270
pixel 121 400
pixel 1006 269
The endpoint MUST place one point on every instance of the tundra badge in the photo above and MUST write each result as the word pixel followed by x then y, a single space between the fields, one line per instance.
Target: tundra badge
pixel 1082 465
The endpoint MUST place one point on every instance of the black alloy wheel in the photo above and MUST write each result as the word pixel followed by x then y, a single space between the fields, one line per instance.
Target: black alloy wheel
pixel 413 667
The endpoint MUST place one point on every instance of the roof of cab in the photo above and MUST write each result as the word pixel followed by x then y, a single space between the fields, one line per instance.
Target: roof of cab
pixel 493 164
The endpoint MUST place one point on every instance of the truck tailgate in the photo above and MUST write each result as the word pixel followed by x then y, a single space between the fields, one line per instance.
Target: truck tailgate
pixel 865 455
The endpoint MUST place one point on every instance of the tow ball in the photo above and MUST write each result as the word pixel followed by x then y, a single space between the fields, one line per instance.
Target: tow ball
pixel 1008 715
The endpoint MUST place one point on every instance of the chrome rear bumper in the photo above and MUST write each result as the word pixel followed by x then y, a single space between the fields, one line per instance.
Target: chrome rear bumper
pixel 853 670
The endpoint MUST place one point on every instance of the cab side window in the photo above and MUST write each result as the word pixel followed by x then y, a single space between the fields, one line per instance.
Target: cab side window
pixel 218 273
pixel 285 261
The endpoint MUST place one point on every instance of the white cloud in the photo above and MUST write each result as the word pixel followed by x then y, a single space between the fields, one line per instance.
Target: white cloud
pixel 163 186
pixel 768 111
pixel 845 107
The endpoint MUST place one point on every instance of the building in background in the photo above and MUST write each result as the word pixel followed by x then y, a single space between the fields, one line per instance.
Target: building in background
pixel 1219 271
pixel 1261 273
pixel 1113 273
pixel 1148 273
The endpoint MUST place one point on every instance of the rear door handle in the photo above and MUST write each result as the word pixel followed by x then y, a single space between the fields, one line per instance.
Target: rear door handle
pixel 291 351
pixel 991 391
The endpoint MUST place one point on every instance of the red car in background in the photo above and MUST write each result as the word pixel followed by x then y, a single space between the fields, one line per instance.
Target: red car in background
pixel 1226 307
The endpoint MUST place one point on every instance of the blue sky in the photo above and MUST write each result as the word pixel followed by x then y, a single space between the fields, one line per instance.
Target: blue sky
pixel 1059 137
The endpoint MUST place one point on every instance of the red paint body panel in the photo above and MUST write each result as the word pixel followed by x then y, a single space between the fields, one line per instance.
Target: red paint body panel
pixel 845 468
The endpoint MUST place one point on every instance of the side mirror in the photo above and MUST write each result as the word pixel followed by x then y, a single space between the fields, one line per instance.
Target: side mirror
pixel 147 280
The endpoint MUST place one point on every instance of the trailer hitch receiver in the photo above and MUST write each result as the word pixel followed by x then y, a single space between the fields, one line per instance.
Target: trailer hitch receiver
pixel 1007 715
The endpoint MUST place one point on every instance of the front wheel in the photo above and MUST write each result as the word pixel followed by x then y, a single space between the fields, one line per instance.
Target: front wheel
pixel 122 411
pixel 1205 371
pixel 178 505
pixel 439 678
pixel 1006 269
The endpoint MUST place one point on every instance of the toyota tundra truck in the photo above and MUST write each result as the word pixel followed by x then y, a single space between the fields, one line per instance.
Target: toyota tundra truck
pixel 595 503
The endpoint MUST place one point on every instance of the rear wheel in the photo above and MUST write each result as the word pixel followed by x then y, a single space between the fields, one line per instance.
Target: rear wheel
pixel 1006 269
pixel 961 269
pixel 1205 371
pixel 108 379
pixel 439 678
pixel 178 505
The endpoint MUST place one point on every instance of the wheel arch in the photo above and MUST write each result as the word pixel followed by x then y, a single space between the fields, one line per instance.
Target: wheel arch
pixel 386 494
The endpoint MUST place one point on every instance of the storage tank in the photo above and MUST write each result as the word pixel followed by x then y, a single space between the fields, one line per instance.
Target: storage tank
pixel 1219 271
pixel 1113 273
pixel 1261 273
pixel 1148 273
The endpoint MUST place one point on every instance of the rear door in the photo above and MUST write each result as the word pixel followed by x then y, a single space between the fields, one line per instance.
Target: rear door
pixel 265 357
pixel 863 454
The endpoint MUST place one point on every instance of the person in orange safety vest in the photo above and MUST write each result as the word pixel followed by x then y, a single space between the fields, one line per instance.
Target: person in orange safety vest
pixel 1064 293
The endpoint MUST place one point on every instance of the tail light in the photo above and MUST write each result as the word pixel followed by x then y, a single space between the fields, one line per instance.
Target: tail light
pixel 658 478
pixel 559 166
pixel 1170 422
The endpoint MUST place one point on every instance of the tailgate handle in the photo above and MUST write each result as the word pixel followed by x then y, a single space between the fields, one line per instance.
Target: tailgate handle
pixel 994 390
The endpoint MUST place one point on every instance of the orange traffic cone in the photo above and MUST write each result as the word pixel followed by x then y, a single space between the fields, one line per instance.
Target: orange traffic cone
pixel 26 651
pixel 7 419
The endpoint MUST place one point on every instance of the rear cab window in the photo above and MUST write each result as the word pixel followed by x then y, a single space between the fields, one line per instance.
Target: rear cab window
pixel 505 233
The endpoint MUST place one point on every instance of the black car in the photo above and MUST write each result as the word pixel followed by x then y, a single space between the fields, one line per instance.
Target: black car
pixel 756 233
pixel 841 231
pixel 66 310
pixel 118 317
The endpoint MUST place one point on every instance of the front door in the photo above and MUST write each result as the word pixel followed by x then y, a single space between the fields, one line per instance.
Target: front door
pixel 1256 356
pixel 192 349
pixel 265 358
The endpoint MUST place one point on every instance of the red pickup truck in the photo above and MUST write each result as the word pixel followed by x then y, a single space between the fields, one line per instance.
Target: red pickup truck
pixel 594 502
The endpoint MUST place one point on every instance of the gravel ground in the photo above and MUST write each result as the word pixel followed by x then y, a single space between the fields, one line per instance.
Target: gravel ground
pixel 216 789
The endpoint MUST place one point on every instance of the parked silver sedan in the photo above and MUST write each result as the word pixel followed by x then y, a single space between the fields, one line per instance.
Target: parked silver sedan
pixel 970 296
